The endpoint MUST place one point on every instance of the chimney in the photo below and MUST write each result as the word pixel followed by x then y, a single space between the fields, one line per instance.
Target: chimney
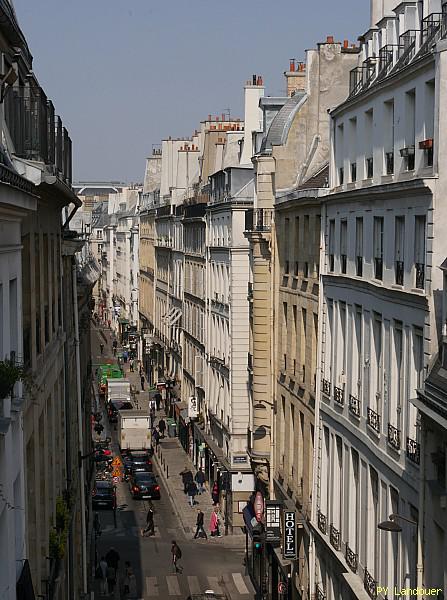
pixel 295 78
pixel 254 80
pixel 345 43
pixel 330 39
pixel 292 65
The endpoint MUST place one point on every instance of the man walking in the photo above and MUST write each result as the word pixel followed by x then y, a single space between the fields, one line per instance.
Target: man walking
pixel 200 480
pixel 199 525
pixel 192 491
pixel 149 529
pixel 176 554
pixel 186 476
pixel 142 382
pixel 101 347
pixel 158 400
pixel 162 427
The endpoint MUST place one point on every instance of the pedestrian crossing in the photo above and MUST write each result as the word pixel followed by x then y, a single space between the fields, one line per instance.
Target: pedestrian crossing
pixel 235 585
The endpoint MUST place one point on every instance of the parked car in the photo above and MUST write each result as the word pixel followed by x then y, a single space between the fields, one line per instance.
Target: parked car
pixel 144 485
pixel 103 495
pixel 140 461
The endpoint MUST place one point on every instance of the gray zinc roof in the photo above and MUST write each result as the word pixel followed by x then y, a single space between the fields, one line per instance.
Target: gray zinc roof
pixel 279 129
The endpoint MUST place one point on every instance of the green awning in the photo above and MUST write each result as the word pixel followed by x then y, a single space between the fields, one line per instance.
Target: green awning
pixel 123 321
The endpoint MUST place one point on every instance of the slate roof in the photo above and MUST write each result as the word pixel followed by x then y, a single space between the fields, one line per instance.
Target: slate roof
pixel 279 129
pixel 319 180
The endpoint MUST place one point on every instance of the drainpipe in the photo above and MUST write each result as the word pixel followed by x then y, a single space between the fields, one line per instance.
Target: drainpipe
pixel 80 429
pixel 272 351
pixel 421 515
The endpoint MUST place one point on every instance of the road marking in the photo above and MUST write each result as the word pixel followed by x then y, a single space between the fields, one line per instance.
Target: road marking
pixel 173 586
pixel 152 586
pixel 194 585
pixel 240 584
pixel 230 588
pixel 214 584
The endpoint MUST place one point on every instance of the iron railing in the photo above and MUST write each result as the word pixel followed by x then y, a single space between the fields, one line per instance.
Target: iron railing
pixel 399 272
pixel 354 405
pixel 370 585
pixel 413 451
pixel 258 219
pixel 393 437
pixel 378 268
pixel 322 522
pixel 431 30
pixel 407 48
pixel 326 387
pixel 420 275
pixel 352 559
pixel 339 396
pixel 387 56
pixel 373 419
pixel 334 537
pixel 319 594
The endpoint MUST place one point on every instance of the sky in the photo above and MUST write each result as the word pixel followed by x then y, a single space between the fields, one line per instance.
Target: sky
pixel 125 74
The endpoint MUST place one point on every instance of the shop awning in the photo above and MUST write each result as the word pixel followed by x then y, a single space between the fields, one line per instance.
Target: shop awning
pixel 123 321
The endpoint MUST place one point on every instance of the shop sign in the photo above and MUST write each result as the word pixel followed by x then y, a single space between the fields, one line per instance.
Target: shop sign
pixel 289 535
pixel 259 506
pixel 238 460
pixel 192 408
pixel 272 521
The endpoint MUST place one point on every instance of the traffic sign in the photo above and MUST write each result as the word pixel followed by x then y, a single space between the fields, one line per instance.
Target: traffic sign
pixel 116 479
pixel 117 462
pixel 116 472
pixel 282 587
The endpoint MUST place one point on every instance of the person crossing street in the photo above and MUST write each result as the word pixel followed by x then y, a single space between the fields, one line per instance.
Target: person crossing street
pixel 199 525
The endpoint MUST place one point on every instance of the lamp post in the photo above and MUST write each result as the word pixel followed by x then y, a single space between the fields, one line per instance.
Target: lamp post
pixel 393 525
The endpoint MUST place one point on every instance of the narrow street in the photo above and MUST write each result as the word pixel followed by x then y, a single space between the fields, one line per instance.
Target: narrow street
pixel 215 563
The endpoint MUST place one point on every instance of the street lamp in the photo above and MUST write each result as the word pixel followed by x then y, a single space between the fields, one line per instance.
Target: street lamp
pixel 394 526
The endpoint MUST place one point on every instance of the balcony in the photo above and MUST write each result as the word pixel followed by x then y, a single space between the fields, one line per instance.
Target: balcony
pixel 250 292
pixel 433 27
pixel 361 77
pixel 399 272
pixel 37 134
pixel 389 163
pixel 413 451
pixel 258 219
pixel 319 594
pixel 387 56
pixel 420 275
pixel 354 406
pixel 359 266
pixel 326 387
pixel 373 420
pixel 352 559
pixel 393 437
pixel 407 48
pixel 407 153
pixel 334 537
pixel 322 522
pixel 370 585
pixel 378 268
pixel 339 396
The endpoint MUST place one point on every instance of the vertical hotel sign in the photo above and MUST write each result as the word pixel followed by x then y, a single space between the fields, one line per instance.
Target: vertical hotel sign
pixel 289 545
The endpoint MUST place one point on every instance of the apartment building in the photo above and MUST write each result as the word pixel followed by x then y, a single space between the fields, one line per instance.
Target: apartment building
pixel 380 329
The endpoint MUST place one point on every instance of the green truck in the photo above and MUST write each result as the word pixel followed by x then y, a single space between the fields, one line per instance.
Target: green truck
pixel 108 372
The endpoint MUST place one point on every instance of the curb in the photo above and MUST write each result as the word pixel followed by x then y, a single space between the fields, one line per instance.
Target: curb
pixel 171 498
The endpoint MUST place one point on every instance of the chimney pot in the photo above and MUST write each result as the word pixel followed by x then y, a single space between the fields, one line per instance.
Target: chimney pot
pixel 292 65
pixel 330 39
pixel 345 43
pixel 254 79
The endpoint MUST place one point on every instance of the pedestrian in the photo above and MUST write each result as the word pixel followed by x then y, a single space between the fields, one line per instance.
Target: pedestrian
pixel 101 574
pixel 158 400
pixel 111 579
pixel 215 523
pixel 113 558
pixel 131 365
pixel 215 493
pixel 101 347
pixel 142 382
pixel 150 528
pixel 176 554
pixel 125 355
pixel 192 491
pixel 97 525
pixel 162 427
pixel 155 437
pixel 130 582
pixel 200 480
pixel 199 525
pixel 186 476
pixel 109 323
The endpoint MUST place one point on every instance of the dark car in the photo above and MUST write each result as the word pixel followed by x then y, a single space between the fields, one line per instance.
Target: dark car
pixel 144 485
pixel 103 495
pixel 140 461
pixel 114 406
pixel 101 457
pixel 103 444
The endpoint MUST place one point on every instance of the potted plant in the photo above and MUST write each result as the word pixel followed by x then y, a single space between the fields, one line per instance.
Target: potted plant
pixel 10 374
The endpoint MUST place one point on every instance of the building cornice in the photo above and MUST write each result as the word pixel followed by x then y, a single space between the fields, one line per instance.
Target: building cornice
pixel 411 187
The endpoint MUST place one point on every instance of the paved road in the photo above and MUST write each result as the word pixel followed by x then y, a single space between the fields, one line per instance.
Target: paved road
pixel 207 564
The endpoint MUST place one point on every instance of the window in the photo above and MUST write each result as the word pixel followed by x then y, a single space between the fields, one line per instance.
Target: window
pixel 359 246
pixel 339 148
pixel 389 137
pixel 296 271
pixel 343 244
pixel 303 342
pixel 331 244
pixel 369 165
pixel 306 226
pixel 427 144
pixel 286 268
pixel 419 248
pixel 399 249
pixel 353 172
pixel 407 152
pixel 369 162
pixel 378 248
pixel 353 148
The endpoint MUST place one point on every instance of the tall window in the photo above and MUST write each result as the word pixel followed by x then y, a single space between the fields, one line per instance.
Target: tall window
pixel 303 343
pixel 396 395
pixel 378 247
pixel 389 137
pixel 306 245
pixel 410 127
pixel 359 246
pixel 331 244
pixel 399 249
pixel 419 250
pixel 339 148
pixel 429 123
pixel 353 148
pixel 369 161
pixel 343 245
pixel 376 364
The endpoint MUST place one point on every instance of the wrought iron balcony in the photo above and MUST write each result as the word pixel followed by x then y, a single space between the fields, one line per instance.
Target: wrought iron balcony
pixel 370 584
pixel 258 219
pixel 361 77
pixel 393 437
pixel 354 405
pixel 326 387
pixel 373 420
pixel 413 451
pixel 407 47
pixel 389 163
pixel 432 27
pixel 339 396
pixel 352 559
pixel 420 275
pixel 319 594
pixel 387 56
pixel 334 537
pixel 399 266
pixel 322 522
